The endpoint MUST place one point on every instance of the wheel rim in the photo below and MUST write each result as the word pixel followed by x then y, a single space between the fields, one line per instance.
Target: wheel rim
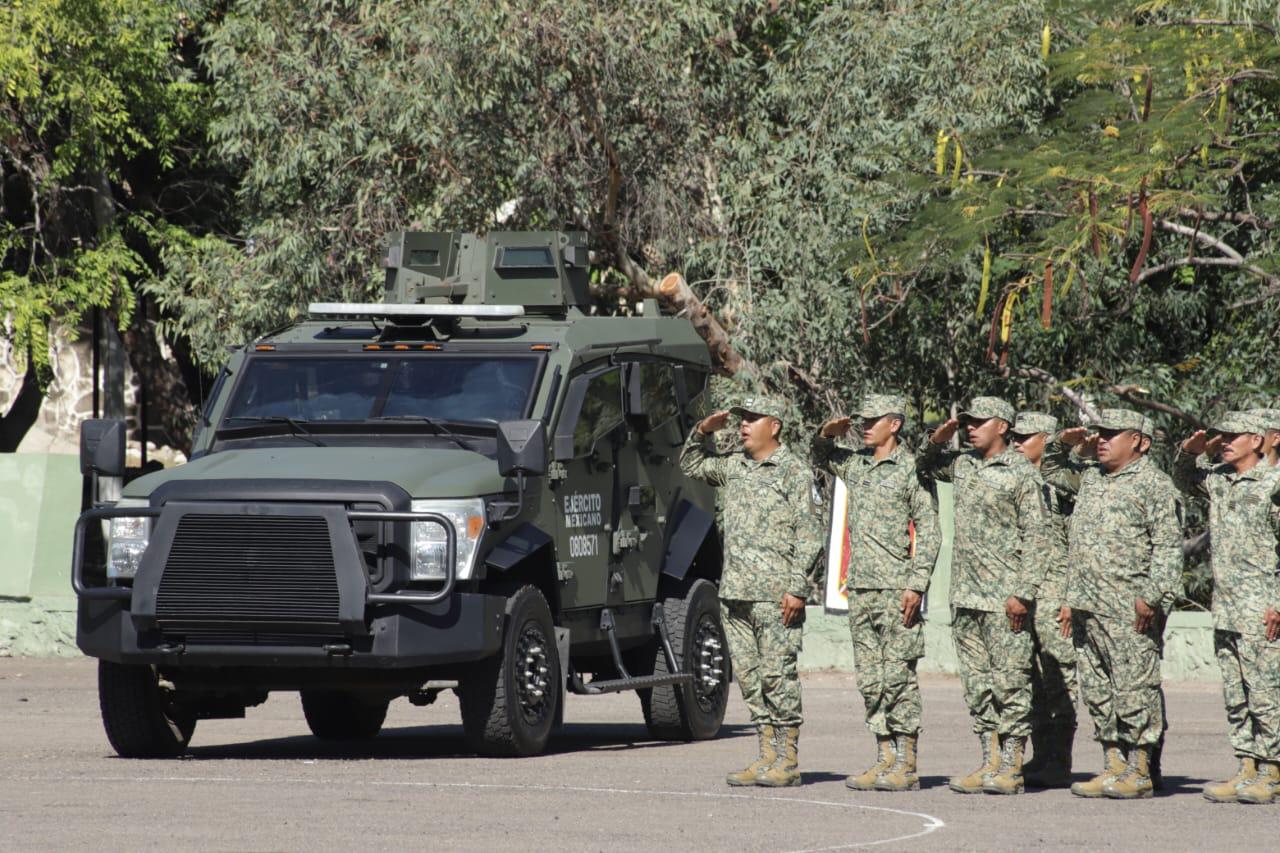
pixel 710 675
pixel 533 674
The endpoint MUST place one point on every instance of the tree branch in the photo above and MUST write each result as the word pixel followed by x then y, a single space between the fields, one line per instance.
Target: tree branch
pixel 1218 22
pixel 1129 393
pixel 1082 405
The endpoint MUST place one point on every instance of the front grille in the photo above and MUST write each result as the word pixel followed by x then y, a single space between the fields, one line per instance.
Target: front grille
pixel 270 570
pixel 214 637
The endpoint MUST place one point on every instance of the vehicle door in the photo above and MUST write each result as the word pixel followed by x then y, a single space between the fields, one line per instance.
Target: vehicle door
pixel 587 438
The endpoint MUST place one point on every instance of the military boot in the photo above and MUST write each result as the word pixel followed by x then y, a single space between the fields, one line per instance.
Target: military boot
pixel 1264 788
pixel 1055 770
pixel 972 784
pixel 1041 751
pixel 1135 782
pixel 785 771
pixel 1226 791
pixel 901 776
pixel 768 755
pixel 1113 765
pixel 1008 779
pixel 867 779
pixel 1156 765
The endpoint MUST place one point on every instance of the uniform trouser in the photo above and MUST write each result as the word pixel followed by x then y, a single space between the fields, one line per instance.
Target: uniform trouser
pixel 885 654
pixel 1053 672
pixel 764 653
pixel 1251 689
pixel 1119 678
pixel 995 669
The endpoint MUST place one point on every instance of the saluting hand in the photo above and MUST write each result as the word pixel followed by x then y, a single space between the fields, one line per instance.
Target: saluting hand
pixel 945 431
pixel 1073 435
pixel 1064 621
pixel 1196 444
pixel 713 422
pixel 837 427
pixel 1272 620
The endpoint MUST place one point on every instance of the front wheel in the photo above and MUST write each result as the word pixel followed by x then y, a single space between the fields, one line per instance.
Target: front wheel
pixel 509 701
pixel 141 715
pixel 691 711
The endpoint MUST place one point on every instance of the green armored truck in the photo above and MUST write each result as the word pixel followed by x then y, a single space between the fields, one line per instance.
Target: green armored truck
pixel 472 485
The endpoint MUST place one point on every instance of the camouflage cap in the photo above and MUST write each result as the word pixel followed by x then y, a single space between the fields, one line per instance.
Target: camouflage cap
pixel 759 404
pixel 877 405
pixel 1148 427
pixel 1119 419
pixel 1269 418
pixel 1239 422
pixel 1030 423
pixel 981 408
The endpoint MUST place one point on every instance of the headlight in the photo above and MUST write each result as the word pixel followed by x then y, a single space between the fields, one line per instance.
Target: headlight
pixel 127 539
pixel 429 538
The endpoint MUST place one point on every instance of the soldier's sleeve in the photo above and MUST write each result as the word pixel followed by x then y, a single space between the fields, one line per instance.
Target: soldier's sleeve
pixel 826 455
pixel 806 534
pixel 1164 579
pixel 699 460
pixel 928 534
pixel 1189 475
pixel 1035 532
pixel 1060 468
pixel 935 462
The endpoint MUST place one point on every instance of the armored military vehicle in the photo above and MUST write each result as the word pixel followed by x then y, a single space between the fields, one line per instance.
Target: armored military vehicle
pixel 473 485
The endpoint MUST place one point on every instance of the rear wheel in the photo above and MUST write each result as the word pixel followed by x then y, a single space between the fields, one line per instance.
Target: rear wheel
pixel 510 701
pixel 338 715
pixel 140 713
pixel 691 711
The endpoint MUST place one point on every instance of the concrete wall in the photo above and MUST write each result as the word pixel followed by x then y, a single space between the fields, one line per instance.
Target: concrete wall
pixel 1188 638
pixel 39 502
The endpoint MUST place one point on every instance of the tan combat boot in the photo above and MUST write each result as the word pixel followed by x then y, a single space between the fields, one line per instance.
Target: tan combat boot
pixel 865 780
pixel 901 776
pixel 972 784
pixel 1113 765
pixel 785 772
pixel 768 755
pixel 1225 791
pixel 1008 779
pixel 1264 788
pixel 1135 782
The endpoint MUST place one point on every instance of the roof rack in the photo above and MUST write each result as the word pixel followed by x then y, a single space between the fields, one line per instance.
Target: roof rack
pixel 383 310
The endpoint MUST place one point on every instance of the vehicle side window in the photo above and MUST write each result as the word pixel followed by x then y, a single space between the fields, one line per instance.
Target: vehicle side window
pixel 657 392
pixel 601 411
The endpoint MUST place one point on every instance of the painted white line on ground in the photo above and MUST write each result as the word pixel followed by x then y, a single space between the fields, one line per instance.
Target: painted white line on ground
pixel 930 824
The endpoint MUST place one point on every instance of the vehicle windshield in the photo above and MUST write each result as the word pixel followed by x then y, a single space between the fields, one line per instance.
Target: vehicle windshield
pixel 484 388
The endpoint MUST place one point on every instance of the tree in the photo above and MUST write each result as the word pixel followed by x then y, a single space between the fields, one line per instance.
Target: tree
pixel 98 114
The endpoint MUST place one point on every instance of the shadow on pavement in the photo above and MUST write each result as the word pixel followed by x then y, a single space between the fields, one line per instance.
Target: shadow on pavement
pixel 416 742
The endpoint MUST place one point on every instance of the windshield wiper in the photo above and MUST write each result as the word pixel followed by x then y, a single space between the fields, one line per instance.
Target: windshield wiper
pixel 437 425
pixel 295 425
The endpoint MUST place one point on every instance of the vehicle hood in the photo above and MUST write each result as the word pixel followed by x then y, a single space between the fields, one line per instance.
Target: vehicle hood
pixel 423 473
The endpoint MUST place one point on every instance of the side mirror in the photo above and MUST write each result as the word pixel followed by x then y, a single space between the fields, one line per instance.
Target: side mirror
pixel 522 447
pixel 102 447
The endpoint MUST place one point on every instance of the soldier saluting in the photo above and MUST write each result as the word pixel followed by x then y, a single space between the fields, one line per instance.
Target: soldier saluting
pixel 886 582
pixel 1244 526
pixel 1125 570
pixel 1001 554
pixel 770 542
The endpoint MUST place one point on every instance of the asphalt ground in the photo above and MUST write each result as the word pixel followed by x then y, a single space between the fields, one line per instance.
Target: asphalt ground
pixel 263 783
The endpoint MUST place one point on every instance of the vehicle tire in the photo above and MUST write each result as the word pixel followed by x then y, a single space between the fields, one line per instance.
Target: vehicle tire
pixel 337 715
pixel 691 711
pixel 140 715
pixel 509 701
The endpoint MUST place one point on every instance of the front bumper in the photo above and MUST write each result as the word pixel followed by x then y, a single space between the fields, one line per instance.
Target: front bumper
pixel 466 627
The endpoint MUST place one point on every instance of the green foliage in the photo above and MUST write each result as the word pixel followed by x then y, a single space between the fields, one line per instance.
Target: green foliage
pixel 97 105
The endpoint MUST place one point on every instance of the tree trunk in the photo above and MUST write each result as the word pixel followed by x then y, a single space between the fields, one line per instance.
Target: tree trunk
pixel 169 399
pixel 22 413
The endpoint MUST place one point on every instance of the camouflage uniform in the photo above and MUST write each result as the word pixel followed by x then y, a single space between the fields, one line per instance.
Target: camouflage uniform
pixel 1244 524
pixel 771 539
pixel 885 497
pixel 1125 544
pixel 1002 549
pixel 1269 419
